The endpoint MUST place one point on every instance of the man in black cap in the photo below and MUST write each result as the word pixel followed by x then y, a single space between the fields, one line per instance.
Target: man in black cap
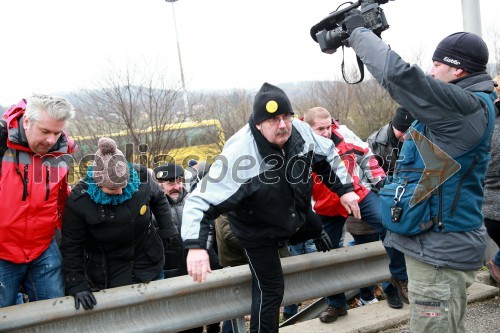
pixel 170 177
pixel 262 180
pixel 432 207
pixel 386 142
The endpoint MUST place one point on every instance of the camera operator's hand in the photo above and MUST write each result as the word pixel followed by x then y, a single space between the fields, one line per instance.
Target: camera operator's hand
pixel 85 298
pixel 353 20
pixel 323 243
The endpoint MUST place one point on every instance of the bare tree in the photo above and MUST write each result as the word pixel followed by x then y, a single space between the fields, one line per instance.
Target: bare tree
pixel 232 108
pixel 362 107
pixel 335 96
pixel 134 110
pixel 373 108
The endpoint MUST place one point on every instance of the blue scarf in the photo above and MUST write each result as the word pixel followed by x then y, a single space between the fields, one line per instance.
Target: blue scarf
pixel 99 197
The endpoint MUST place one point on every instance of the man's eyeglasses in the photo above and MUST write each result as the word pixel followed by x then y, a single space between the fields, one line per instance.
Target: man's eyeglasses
pixel 287 118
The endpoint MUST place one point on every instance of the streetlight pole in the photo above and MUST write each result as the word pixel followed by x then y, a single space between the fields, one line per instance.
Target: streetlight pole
pixel 184 91
pixel 471 14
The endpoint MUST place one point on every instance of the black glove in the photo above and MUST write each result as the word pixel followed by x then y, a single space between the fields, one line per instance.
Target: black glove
pixel 378 186
pixel 86 299
pixel 353 20
pixel 323 243
pixel 172 242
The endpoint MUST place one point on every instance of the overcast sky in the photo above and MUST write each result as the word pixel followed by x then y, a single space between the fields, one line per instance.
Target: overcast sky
pixel 54 46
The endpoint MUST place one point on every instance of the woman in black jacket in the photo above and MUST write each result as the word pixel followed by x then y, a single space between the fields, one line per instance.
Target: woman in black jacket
pixel 108 238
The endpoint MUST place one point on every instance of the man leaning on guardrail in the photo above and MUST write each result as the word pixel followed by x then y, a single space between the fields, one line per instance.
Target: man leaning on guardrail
pixel 33 170
pixel 262 179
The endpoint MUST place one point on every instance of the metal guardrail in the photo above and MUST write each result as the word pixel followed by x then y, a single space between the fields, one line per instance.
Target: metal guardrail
pixel 178 303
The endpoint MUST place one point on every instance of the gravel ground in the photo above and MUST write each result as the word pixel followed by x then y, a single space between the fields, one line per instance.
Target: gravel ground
pixel 481 317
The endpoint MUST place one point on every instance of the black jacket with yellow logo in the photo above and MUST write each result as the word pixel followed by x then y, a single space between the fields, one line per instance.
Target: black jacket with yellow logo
pixel 105 246
pixel 265 191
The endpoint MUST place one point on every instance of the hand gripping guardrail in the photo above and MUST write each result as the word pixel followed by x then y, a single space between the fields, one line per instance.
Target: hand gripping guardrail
pixel 178 303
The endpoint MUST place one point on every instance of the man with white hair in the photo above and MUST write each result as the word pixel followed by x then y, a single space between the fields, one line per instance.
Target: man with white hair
pixel 33 169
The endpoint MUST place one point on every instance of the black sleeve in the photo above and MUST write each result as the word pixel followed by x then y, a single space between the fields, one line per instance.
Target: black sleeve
pixel 73 240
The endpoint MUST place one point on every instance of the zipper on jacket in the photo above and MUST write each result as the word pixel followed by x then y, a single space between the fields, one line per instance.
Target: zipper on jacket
pixel 104 267
pixel 47 186
pixel 23 179
pixel 26 180
pixel 440 208
pixel 459 187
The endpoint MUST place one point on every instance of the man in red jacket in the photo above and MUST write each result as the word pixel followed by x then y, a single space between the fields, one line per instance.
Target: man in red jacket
pixel 367 177
pixel 33 190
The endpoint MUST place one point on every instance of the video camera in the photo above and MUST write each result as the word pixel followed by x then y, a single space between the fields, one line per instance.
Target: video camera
pixel 329 33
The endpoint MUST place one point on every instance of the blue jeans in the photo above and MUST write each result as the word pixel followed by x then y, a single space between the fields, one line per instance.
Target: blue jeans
pixel 227 326
pixel 366 293
pixel 370 213
pixel 334 227
pixel 295 250
pixel 41 279
pixel 387 286
pixel 302 248
pixel 19 298
pixel 160 276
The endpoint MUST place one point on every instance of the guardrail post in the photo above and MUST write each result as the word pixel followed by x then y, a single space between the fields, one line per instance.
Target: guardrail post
pixel 239 325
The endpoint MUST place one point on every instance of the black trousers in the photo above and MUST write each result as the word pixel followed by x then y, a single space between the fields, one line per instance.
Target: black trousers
pixel 268 286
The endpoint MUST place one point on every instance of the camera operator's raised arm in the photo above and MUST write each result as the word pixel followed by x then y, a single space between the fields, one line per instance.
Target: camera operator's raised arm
pixel 432 205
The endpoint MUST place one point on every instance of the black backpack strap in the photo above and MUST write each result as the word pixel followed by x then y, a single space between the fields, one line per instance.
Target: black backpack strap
pixel 3 141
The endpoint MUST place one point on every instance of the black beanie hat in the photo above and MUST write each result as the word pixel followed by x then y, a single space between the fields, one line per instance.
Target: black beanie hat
pixel 402 119
pixel 463 50
pixel 168 171
pixel 270 101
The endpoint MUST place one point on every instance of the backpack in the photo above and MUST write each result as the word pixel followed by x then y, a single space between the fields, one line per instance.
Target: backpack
pixel 12 112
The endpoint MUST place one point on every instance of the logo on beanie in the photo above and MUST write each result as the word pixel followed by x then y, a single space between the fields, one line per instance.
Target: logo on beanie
pixel 451 61
pixel 271 106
